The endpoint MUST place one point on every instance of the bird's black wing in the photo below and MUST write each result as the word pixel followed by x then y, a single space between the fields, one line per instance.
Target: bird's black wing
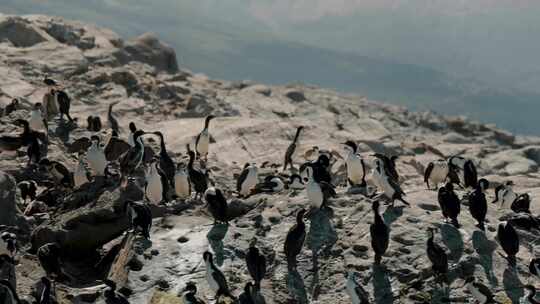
pixel 80 145
pixel 115 148
pixel 241 179
pixel 429 169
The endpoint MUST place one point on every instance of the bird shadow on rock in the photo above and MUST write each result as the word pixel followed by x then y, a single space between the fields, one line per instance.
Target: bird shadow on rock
pixel 485 249
pixel 63 130
pixel 391 214
pixel 322 234
pixel 382 288
pixel 215 238
pixel 513 287
pixel 296 287
pixel 452 239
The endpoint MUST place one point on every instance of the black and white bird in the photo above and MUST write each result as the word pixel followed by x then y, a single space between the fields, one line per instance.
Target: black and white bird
pixel 463 171
pixel 157 185
pixel 133 158
pixel 480 292
pixel 58 171
pixel 509 241
pixel 355 290
pixel 10 292
pixel 291 149
pixel 356 168
pixel 131 136
pixel 387 184
pixel 247 180
pixel 380 234
pixel 389 165
pixel 296 182
pixel 437 255
pixel 321 169
pixel 530 296
pixel 49 259
pixel 34 150
pixel 271 184
pixel 113 122
pixel 182 185
pixel 504 194
pixel 318 192
pixel 202 141
pixel 449 203
pixel 295 240
pixel 478 203
pixel 46 292
pixel 50 82
pixel 28 190
pixel 115 147
pixel 190 294
pixel 256 264
pixel 217 205
pixel 215 278
pixel 197 177
pixel 10 241
pixel 436 173
pixel 111 295
pixel 166 164
pixel 522 204
pixel 96 157
pixel 140 217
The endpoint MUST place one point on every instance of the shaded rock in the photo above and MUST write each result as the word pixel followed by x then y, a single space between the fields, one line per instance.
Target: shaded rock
pixel 68 34
pixel 124 78
pixel 197 106
pixel 148 49
pixel 296 96
pixel 10 214
pixel 21 33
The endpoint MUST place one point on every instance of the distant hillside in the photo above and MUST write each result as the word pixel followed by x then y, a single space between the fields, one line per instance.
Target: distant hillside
pixel 221 50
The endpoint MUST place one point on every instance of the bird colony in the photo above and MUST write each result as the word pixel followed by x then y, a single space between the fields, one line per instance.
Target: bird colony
pixel 129 180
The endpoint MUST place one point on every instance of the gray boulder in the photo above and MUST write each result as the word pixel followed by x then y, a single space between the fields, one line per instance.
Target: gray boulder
pixel 21 33
pixel 148 49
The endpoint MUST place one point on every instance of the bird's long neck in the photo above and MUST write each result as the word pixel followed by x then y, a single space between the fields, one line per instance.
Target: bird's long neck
pixel 297 135
pixel 191 159
pixel 206 124
pixel 162 143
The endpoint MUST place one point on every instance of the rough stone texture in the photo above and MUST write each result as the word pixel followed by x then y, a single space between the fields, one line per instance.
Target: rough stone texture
pixel 148 49
pixel 20 32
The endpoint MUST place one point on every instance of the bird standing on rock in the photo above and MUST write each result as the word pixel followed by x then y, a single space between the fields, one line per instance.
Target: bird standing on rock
pixel 182 185
pixel 256 264
pixel 166 164
pixel 356 168
pixel 10 239
pixel 96 157
pixel 449 203
pixel 190 294
pixel 140 216
pixel 380 234
pixel 387 184
pixel 388 164
pixel 156 186
pixel 295 240
pixel 291 149
pixel 504 194
pixel 81 176
pixel 521 204
pixel 36 121
pixel 509 241
pixel 196 176
pixel 215 278
pixel 247 180
pixel 131 160
pixel 49 258
pixel 318 192
pixel 28 190
pixel 462 171
pixel 217 205
pixel 202 141
pixel 478 203
pixel 436 173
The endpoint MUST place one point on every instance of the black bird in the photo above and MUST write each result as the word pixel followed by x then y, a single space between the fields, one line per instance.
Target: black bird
pixel 256 264
pixel 216 279
pixel 190 294
pixel 64 104
pixel 380 234
pixel 295 240
pixel 96 124
pixel 49 258
pixel 217 205
pixel 11 242
pixel 115 147
pixel 28 190
pixel 33 151
pixel 271 184
pixel 321 169
pixel 198 179
pixel 10 291
pixel 509 241
pixel 45 296
pixel 389 164
pixel 131 161
pixel 140 216
pixel 458 164
pixel 113 123
pixel 291 149
pixel 247 296
pixel 165 161
pixel 90 123
pixel 436 255
pixel 531 295
pixel 11 107
pixel 522 204
pixel 478 203
pixel 50 82
pixel 202 141
pixel 58 171
pixel 111 295
pixel 132 130
pixel 534 265
pixel 449 203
